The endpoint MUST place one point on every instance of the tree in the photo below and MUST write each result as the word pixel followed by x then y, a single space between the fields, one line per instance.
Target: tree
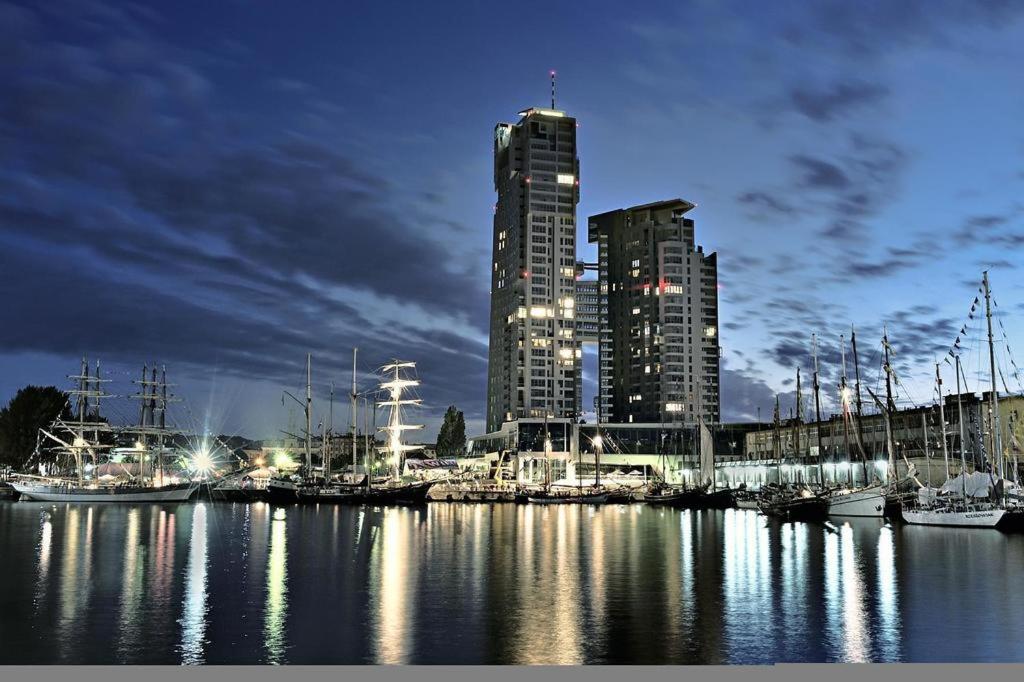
pixel 451 438
pixel 31 408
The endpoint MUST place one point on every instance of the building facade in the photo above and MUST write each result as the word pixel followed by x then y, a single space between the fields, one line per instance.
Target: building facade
pixel 533 353
pixel 658 351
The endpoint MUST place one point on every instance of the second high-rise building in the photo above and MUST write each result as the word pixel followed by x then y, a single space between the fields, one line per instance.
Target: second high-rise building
pixel 658 342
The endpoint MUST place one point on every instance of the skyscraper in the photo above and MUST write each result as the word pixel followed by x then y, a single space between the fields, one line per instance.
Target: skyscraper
pixel 658 342
pixel 533 355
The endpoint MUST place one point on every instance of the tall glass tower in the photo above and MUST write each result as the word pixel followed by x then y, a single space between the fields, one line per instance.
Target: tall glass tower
pixel 533 357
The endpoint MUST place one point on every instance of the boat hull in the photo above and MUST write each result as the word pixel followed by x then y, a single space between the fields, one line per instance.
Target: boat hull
pixel 282 492
pixel 125 494
pixel 869 503
pixel 982 518
pixel 240 494
pixel 797 509
pixel 412 494
pixel 719 499
pixel 599 498
pixel 684 499
pixel 471 495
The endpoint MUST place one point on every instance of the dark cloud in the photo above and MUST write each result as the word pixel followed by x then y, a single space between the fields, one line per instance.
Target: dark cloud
pixel 818 174
pixel 766 202
pixel 836 100
pixel 153 222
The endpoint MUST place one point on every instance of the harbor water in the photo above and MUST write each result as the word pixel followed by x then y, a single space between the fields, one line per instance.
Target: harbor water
pixel 456 583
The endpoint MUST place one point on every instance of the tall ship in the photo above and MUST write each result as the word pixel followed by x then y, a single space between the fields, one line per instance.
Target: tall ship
pixel 394 393
pixel 89 467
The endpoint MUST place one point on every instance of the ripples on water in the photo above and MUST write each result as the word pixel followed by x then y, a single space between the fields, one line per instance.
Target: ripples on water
pixel 450 583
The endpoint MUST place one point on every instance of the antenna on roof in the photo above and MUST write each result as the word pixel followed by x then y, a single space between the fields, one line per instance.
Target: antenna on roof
pixel 552 88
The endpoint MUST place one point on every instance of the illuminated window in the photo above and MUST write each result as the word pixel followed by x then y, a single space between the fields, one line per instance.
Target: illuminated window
pixel 565 179
pixel 710 332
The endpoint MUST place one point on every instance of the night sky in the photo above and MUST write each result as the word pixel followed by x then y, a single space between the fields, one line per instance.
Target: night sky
pixel 224 187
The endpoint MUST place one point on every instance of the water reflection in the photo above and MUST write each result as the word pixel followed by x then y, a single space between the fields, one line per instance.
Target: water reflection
pixel 395 611
pixel 193 620
pixel 274 635
pixel 132 568
pixel 746 586
pixel 75 577
pixel 888 635
pixel 495 584
pixel 855 635
pixel 43 557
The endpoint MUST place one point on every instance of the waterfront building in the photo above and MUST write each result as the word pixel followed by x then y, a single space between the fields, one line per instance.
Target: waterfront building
pixel 793 451
pixel 533 354
pixel 658 351
pixel 631 454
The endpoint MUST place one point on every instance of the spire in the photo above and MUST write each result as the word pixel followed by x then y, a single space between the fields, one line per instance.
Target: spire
pixel 552 88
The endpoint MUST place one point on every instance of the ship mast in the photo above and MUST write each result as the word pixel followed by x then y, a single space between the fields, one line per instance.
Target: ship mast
pixel 817 411
pixel 844 406
pixel 355 417
pixel 942 422
pixel 397 384
pixel 890 404
pixel 153 397
pixel 309 416
pixel 996 446
pixel 860 404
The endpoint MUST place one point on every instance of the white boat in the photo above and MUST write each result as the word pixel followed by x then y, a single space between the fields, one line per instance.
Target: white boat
pixel 860 502
pixel 556 498
pixel 968 516
pixel 44 491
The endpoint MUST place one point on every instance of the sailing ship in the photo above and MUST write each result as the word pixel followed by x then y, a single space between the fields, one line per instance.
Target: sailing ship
pixel 975 500
pixel 284 488
pixel 79 443
pixel 849 500
pixel 397 380
pixel 710 496
pixel 790 502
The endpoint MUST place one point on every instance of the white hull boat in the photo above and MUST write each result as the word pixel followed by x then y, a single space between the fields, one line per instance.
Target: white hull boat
pixel 50 492
pixel 866 502
pixel 599 498
pixel 963 518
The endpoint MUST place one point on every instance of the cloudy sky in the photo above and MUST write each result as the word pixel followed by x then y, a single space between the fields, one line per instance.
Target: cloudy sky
pixel 224 187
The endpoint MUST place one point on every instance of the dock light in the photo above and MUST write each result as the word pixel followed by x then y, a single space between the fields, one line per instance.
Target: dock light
pixel 259 462
pixel 597 441
pixel 202 462
pixel 283 461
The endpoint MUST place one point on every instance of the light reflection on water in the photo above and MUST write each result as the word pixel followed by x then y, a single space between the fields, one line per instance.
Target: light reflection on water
pixel 275 637
pixel 193 620
pixel 220 583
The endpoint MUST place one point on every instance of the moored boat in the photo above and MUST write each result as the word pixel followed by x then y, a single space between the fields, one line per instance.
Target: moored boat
pixel 672 497
pixel 66 491
pixel 857 502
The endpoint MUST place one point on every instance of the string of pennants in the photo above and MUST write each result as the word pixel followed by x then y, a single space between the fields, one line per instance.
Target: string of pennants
pixel 955 349
pixel 1009 352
